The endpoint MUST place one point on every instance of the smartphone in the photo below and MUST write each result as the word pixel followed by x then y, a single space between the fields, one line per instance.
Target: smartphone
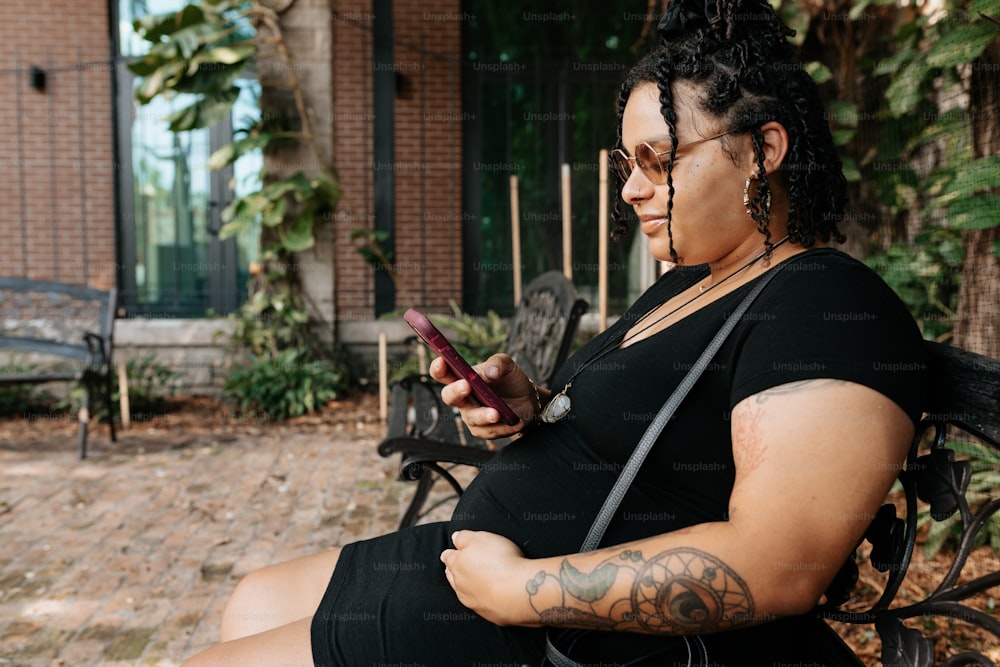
pixel 433 337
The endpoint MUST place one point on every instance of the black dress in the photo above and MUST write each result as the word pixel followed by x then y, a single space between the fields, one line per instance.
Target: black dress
pixel 825 315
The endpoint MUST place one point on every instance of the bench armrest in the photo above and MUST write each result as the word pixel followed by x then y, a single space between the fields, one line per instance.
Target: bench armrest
pixel 98 348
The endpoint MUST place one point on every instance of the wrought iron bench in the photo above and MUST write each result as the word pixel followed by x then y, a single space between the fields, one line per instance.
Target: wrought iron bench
pixel 963 409
pixel 427 433
pixel 51 319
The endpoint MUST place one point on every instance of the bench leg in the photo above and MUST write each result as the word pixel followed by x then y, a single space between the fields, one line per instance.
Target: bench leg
pixel 424 485
pixel 109 406
pixel 84 417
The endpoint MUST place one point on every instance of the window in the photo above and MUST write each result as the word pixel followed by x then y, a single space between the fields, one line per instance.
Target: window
pixel 173 262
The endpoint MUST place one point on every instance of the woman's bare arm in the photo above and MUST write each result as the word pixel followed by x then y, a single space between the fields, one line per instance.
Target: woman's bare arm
pixel 814 460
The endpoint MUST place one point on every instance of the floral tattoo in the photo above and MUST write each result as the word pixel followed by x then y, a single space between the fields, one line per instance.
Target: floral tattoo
pixel 679 591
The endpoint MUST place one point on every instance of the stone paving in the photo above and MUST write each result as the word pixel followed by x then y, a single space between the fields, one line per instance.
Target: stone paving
pixel 128 558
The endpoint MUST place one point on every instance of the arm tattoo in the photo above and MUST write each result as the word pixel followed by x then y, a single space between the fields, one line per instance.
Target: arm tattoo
pixel 678 591
pixel 749 447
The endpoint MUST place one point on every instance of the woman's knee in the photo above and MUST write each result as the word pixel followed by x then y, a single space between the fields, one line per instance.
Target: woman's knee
pixel 276 595
pixel 250 609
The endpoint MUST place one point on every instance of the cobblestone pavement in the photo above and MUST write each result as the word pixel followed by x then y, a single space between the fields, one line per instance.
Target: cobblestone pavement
pixel 128 558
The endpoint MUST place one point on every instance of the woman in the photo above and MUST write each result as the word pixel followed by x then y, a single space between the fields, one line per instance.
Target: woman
pixel 761 485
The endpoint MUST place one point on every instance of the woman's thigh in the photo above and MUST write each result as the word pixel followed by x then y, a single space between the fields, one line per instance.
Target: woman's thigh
pixel 288 646
pixel 277 595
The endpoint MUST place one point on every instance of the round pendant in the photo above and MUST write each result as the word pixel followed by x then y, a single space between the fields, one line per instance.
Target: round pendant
pixel 558 407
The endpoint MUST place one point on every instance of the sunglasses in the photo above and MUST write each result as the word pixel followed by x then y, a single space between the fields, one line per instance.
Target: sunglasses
pixel 649 160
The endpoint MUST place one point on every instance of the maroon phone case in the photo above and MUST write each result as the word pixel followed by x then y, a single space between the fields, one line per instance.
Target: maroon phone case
pixel 433 337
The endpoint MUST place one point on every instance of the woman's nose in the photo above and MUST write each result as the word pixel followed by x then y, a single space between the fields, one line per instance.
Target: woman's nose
pixel 637 188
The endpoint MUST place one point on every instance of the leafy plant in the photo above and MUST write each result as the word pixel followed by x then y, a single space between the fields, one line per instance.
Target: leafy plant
pixel 288 384
pixel 926 276
pixel 926 75
pixel 149 391
pixel 22 399
pixel 371 245
pixel 477 338
pixel 150 386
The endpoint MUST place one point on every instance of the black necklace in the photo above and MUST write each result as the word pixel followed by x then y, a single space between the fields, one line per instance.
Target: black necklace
pixel 560 405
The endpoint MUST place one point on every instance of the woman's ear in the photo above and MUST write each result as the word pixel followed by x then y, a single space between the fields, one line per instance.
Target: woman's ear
pixel 775 145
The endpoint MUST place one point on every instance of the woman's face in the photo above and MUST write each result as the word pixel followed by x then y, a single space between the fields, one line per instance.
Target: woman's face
pixel 709 221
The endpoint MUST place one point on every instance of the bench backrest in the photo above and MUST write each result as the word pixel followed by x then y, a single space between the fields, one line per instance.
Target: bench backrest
pixel 544 325
pixel 47 317
pixel 963 409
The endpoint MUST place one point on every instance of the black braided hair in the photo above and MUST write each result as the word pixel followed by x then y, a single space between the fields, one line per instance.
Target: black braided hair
pixel 737 57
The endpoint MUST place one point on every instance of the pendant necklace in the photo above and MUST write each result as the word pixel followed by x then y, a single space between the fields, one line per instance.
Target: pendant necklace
pixel 560 404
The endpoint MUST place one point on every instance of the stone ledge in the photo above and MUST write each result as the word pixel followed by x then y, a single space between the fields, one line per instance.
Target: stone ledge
pixel 141 332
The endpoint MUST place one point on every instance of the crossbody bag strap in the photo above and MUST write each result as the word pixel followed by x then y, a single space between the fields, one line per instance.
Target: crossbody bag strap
pixel 655 427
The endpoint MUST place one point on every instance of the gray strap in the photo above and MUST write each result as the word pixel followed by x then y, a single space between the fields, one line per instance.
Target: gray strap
pixel 557 657
pixel 560 659
pixel 654 429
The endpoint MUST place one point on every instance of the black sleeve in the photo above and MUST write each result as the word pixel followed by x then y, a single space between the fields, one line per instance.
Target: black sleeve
pixel 830 316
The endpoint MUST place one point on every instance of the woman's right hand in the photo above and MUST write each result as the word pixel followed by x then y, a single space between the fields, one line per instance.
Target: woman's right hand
pixel 509 382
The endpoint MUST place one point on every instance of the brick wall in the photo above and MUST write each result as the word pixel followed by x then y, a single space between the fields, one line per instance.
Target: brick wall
pixel 428 169
pixel 56 146
pixel 56 151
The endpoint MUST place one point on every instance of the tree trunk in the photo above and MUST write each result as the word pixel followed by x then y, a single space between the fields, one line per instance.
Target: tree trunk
pixel 979 295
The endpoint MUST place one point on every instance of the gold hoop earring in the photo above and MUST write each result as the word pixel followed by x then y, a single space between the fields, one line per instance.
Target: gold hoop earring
pixel 747 204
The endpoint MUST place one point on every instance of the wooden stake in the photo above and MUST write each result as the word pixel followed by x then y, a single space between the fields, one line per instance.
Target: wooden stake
pixel 422 359
pixel 123 401
pixel 515 238
pixel 602 239
pixel 383 378
pixel 567 220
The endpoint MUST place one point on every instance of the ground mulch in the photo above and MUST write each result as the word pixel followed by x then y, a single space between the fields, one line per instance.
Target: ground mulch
pixel 184 422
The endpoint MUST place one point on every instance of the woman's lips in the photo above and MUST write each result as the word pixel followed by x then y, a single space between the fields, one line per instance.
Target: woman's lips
pixel 650 223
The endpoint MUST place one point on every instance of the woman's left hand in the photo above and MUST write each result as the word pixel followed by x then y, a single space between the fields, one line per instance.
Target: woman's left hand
pixel 489 573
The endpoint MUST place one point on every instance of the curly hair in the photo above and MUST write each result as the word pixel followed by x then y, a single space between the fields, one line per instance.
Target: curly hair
pixel 742 69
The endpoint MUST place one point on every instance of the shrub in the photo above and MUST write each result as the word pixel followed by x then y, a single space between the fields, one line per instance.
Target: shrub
pixel 150 386
pixel 477 338
pixel 18 400
pixel 288 384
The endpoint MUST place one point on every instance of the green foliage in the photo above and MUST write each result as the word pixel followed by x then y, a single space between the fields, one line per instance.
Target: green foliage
pixel 149 389
pixel 476 338
pixel 150 386
pixel 282 372
pixel 926 74
pixel 370 246
pixel 290 207
pixel 289 384
pixel 271 322
pixel 926 275
pixel 22 399
pixel 200 50
pixel 985 481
